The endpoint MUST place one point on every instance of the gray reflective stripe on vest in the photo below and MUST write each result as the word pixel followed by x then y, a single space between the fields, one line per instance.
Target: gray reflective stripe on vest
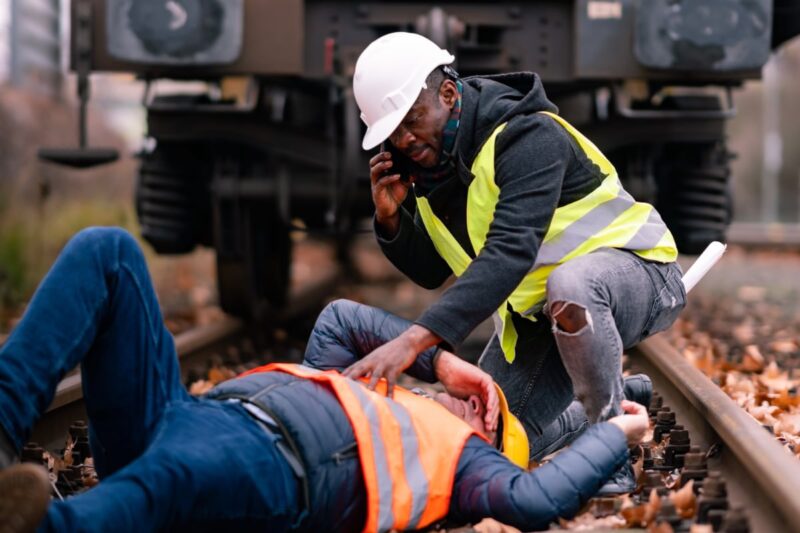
pixel 649 234
pixel 554 250
pixel 385 485
pixel 415 475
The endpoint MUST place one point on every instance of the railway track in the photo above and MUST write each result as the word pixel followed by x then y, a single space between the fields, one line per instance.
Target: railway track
pixel 193 347
pixel 760 476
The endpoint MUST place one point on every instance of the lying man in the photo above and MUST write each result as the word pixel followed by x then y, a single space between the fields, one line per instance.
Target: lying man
pixel 284 447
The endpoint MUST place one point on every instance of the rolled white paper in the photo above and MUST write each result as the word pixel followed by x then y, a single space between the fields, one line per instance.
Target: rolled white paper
pixel 703 264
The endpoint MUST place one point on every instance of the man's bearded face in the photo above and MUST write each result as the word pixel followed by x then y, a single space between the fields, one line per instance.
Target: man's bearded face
pixel 419 135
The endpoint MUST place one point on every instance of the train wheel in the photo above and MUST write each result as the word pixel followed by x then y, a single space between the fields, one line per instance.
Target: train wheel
pixel 254 255
pixel 694 196
pixel 172 198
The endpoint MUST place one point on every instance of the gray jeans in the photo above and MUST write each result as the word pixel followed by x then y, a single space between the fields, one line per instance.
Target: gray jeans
pixel 560 382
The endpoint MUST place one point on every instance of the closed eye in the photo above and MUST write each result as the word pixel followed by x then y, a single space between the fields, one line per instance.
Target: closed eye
pixel 411 119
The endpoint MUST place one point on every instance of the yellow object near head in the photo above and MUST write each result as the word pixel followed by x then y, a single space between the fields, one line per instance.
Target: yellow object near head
pixel 514 443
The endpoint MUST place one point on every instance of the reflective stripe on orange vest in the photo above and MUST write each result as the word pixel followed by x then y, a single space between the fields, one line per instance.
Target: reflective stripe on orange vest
pixel 408 446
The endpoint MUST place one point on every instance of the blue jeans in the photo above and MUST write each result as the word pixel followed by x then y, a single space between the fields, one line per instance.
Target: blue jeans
pixel 165 459
pixel 560 382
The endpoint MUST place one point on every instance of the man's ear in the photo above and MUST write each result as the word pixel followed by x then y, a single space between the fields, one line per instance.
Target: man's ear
pixel 475 404
pixel 448 93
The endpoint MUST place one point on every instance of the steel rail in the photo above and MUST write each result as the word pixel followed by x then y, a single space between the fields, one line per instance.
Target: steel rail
pixel 754 235
pixel 760 475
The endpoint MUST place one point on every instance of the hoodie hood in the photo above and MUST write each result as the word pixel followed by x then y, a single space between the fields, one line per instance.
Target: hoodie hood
pixel 492 100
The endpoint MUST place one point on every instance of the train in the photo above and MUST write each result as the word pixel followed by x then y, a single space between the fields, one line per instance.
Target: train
pixel 272 143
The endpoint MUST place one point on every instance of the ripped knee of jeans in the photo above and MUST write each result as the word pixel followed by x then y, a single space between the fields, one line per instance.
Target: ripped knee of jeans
pixel 569 317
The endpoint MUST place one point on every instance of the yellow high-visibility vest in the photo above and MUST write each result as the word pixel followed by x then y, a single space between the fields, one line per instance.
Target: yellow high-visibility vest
pixel 608 217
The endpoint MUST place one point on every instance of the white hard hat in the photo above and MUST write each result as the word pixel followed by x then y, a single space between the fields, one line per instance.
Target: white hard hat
pixel 390 74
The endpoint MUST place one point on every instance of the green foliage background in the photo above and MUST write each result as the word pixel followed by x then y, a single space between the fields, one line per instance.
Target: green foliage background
pixel 30 240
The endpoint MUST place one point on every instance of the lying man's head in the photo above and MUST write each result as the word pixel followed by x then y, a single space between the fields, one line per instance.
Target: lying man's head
pixel 471 411
pixel 510 437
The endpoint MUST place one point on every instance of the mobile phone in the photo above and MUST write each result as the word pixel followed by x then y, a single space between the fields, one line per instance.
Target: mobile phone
pixel 399 163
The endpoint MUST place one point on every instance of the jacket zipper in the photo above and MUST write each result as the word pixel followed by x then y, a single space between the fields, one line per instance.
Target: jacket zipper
pixel 346 453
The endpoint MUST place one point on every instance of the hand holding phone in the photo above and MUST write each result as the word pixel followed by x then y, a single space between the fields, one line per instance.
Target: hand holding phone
pixel 390 184
pixel 399 163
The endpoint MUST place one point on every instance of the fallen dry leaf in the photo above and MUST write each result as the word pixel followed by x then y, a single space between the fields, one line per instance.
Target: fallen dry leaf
pixel 752 361
pixel 638 466
pixel 789 438
pixel 788 423
pixel 216 376
pixel 200 387
pixel 744 333
pixel 785 401
pixel 735 382
pixel 775 380
pixel 702 358
pixel 783 346
pixel 685 501
pixel 644 514
pixel 68 451
pixel 764 413
pixel 219 374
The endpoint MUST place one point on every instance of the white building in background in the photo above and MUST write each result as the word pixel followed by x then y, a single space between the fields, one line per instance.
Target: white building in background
pixel 31 31
pixel 5 36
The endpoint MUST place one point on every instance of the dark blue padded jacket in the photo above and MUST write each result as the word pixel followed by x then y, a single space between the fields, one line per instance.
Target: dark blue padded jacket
pixel 486 483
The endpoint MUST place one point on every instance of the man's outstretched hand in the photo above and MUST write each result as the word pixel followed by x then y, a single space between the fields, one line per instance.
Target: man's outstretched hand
pixel 389 360
pixel 462 380
pixel 633 423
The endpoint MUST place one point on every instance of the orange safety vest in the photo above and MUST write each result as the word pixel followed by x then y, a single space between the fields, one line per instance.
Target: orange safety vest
pixel 408 446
